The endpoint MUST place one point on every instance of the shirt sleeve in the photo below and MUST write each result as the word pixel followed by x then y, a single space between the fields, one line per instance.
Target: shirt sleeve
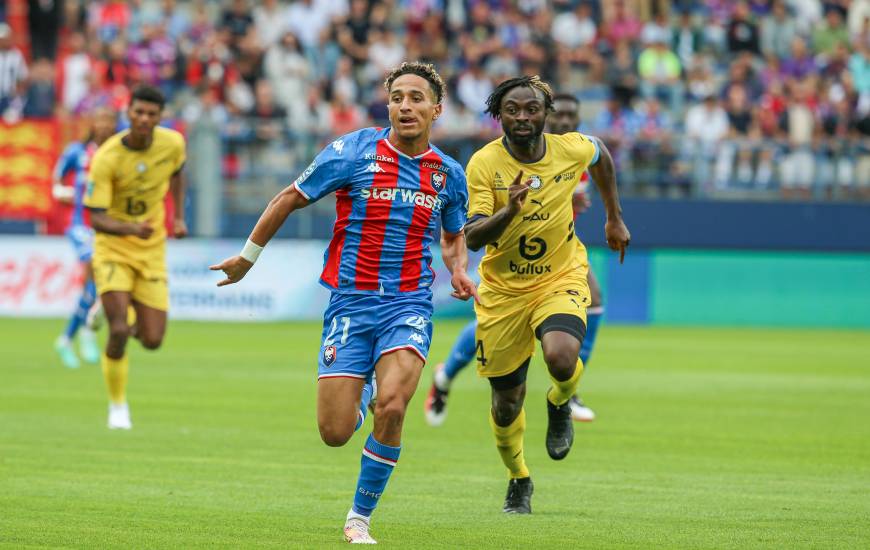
pixel 99 190
pixel 454 215
pixel 66 162
pixel 329 171
pixel 481 198
pixel 585 149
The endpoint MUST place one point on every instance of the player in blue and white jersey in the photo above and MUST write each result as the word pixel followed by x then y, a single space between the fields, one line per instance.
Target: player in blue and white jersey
pixel 392 187
pixel 76 159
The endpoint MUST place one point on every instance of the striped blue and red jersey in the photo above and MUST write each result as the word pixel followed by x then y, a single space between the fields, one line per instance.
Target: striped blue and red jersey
pixel 76 158
pixel 387 208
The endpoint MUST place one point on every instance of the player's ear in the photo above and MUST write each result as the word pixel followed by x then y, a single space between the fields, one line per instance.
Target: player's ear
pixel 437 111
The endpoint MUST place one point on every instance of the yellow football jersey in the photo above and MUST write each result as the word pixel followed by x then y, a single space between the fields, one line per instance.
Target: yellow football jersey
pixel 539 245
pixel 131 186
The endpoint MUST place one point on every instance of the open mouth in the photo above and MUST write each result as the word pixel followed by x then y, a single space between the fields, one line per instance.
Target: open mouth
pixel 407 120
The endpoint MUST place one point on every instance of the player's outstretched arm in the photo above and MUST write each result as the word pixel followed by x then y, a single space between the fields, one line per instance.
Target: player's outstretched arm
pixel 603 173
pixel 285 202
pixel 104 223
pixel 482 231
pixel 455 255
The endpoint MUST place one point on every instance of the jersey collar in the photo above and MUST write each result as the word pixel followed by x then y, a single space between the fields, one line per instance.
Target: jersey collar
pixel 393 147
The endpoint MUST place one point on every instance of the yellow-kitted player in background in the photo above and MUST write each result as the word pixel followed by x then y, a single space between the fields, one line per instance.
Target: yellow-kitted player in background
pixel 533 275
pixel 127 184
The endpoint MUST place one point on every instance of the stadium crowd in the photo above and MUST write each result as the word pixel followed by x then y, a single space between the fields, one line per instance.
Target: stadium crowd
pixel 696 96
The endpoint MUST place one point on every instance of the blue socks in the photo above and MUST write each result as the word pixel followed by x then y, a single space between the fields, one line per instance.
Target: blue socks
pixel 593 318
pixel 364 405
pixel 462 352
pixel 89 295
pixel 378 461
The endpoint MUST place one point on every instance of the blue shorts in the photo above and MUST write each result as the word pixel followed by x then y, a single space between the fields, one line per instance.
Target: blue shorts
pixel 82 239
pixel 359 328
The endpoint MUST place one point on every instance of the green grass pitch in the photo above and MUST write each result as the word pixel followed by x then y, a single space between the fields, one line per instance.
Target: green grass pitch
pixel 705 438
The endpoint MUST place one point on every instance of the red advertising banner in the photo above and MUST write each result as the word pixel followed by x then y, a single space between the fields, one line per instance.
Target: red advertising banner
pixel 28 151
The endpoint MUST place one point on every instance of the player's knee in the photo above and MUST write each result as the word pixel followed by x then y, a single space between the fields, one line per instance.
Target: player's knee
pixel 334 435
pixel 561 362
pixel 150 342
pixel 507 406
pixel 119 330
pixel 390 412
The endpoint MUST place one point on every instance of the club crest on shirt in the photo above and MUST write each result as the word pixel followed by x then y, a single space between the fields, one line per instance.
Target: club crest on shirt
pixel 141 167
pixel 329 355
pixel 534 182
pixel 437 180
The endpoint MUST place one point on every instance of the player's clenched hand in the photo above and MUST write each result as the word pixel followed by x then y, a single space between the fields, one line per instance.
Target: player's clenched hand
pixel 517 194
pixel 235 269
pixel 617 236
pixel 143 230
pixel 463 287
pixel 179 228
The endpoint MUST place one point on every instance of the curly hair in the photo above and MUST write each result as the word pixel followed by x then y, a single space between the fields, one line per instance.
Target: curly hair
pixel 424 70
pixel 493 102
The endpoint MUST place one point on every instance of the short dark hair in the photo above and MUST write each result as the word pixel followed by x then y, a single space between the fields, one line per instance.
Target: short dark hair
pixel 566 97
pixel 423 70
pixel 493 102
pixel 149 94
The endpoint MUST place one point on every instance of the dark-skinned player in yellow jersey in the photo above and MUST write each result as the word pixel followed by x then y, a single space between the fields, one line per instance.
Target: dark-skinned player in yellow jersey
pixel 533 274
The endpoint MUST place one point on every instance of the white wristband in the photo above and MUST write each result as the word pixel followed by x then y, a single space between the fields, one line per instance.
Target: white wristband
pixel 251 251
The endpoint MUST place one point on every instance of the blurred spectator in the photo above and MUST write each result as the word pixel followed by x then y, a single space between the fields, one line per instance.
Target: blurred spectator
pixel 686 40
pixel 269 20
pixel 622 24
pixel 706 125
pixel 237 19
pixel 830 34
pixel 206 106
pixel 75 66
pixel 344 116
pixel 806 14
pixel 657 30
pixel 343 82
pixel 777 31
pixel 800 63
pixel 859 68
pixel 737 144
pixel 798 123
pixel 385 51
pixel 41 92
pixel 13 75
pixel 859 13
pixel 353 36
pixel 621 71
pixel 659 69
pixel 289 71
pixel 152 60
pixel 742 31
pixel 110 19
pixel 43 21
pixel 175 20
pixel 307 19
pixel 502 65
pixel 266 116
pixel 473 87
pixel 575 29
pixel 480 38
pixel 378 112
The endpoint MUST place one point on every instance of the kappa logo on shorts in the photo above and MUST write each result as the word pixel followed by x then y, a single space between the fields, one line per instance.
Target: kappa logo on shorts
pixel 329 355
pixel 417 338
pixel 417 321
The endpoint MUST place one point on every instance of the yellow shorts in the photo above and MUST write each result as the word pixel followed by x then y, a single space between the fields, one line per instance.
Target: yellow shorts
pixel 145 281
pixel 506 324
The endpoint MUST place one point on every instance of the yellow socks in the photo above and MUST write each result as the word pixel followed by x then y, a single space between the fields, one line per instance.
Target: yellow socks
pixel 561 391
pixel 115 373
pixel 509 442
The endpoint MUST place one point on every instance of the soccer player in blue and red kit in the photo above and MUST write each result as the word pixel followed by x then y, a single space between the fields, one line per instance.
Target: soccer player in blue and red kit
pixel 76 158
pixel 391 187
